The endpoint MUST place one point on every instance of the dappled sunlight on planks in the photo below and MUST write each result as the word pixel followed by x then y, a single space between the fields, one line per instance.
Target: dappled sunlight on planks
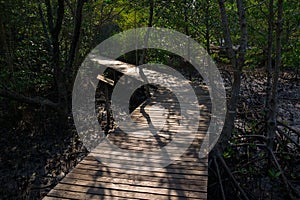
pixel 157 122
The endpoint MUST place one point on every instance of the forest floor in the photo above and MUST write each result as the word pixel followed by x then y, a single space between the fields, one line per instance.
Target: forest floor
pixel 36 155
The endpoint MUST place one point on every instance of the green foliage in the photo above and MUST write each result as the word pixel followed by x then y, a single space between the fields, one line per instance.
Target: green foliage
pixel 255 58
pixel 26 60
pixel 228 153
pixel 291 55
pixel 273 173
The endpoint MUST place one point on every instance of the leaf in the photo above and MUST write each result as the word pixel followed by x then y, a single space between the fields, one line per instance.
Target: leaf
pixel 226 154
pixel 273 174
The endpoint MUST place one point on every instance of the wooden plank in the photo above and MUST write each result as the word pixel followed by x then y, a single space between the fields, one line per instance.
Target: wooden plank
pixel 147 149
pixel 136 138
pixel 55 198
pixel 119 66
pixel 141 169
pixel 132 188
pixel 168 179
pixel 129 192
pixel 200 165
pixel 180 184
pixel 126 157
pixel 91 170
pixel 177 165
pixel 156 171
pixel 96 195
pixel 106 80
pixel 64 194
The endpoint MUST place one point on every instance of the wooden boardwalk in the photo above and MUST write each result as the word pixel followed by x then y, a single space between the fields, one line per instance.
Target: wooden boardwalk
pixel 185 178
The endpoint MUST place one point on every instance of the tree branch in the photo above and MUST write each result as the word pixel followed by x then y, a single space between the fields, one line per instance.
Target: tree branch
pixel 255 5
pixel 41 13
pixel 76 35
pixel 226 33
pixel 60 17
pixel 49 16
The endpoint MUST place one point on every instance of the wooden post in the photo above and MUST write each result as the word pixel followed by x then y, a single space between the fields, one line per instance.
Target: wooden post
pixel 106 82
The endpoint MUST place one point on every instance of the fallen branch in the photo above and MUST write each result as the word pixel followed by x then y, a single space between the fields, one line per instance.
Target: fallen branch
pixel 30 100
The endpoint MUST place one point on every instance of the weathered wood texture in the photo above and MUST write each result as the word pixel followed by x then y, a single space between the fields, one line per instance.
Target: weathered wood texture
pixel 185 178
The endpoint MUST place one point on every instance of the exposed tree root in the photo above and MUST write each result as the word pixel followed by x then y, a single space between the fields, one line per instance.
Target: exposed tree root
pixel 219 178
pixel 232 177
pixel 290 189
pixel 288 137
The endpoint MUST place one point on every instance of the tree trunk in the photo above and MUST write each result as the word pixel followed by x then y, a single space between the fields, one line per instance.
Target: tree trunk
pixel 144 53
pixel 150 24
pixel 55 30
pixel 230 114
pixel 269 69
pixel 75 39
pixel 207 26
pixel 186 18
pixel 272 118
pixel 237 64
pixel 4 45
